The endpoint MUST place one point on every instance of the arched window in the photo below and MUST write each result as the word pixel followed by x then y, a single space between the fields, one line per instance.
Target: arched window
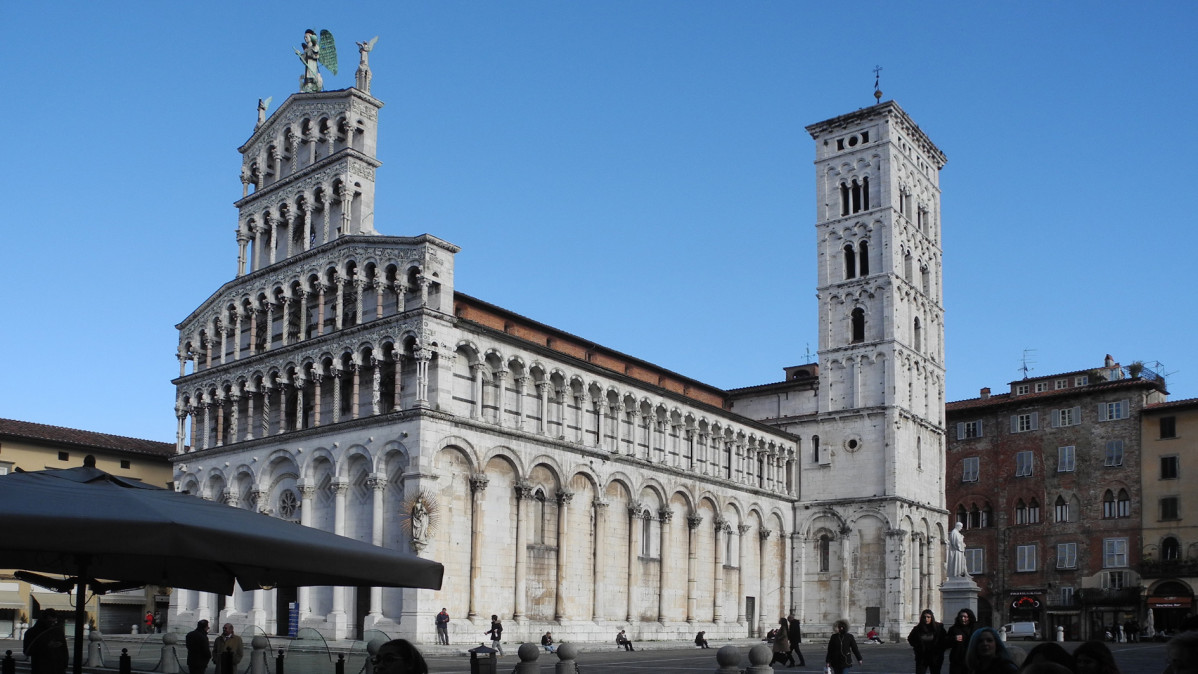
pixel 1170 550
pixel 858 320
pixel 918 334
pixel 729 560
pixel 925 279
pixel 963 515
pixel 863 255
pixel 824 552
pixel 1061 508
pixel 987 516
pixel 976 519
pixel 907 266
pixel 1124 504
pixel 1020 512
pixel 844 199
pixel 1108 504
pixel 1033 512
pixel 850 262
pixel 815 448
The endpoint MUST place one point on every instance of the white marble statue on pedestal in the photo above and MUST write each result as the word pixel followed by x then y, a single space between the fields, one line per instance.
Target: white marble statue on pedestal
pixel 956 553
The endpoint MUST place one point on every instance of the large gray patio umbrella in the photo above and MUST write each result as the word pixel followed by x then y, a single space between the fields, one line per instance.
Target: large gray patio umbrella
pixel 88 524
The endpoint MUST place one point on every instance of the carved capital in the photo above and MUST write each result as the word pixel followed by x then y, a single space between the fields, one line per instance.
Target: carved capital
pixel 665 514
pixel 764 533
pixel 742 529
pixel 479 482
pixel 307 491
pixel 600 504
pixel 720 524
pixel 693 521
pixel 523 490
pixel 635 509
pixel 376 483
pixel 564 497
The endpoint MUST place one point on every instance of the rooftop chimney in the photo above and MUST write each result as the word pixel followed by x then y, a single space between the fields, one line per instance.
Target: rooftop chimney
pixel 986 393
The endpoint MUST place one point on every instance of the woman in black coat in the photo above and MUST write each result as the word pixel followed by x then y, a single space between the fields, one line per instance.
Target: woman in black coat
pixel 842 647
pixel 927 638
pixel 957 642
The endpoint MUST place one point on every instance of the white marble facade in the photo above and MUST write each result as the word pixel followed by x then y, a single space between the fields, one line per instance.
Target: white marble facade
pixel 340 376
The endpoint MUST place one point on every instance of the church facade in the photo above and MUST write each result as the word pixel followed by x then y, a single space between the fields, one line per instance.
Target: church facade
pixel 342 381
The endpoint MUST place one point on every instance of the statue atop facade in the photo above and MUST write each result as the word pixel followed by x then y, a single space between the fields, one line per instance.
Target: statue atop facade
pixel 316 53
pixel 263 105
pixel 956 553
pixel 363 76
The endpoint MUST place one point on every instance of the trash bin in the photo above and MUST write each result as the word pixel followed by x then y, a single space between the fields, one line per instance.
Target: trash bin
pixel 483 660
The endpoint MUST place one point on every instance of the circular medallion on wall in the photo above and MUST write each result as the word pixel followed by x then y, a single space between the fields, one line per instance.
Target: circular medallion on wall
pixel 852 443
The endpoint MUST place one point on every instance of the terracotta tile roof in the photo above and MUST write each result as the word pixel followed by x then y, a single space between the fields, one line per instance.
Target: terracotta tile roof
pixel 1172 404
pixel 1071 392
pixel 57 435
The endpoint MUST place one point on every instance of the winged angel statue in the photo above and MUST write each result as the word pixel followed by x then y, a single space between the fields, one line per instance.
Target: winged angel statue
pixel 316 53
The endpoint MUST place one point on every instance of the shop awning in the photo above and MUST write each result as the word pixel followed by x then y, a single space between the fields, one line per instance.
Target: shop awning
pixel 59 601
pixel 133 597
pixel 11 599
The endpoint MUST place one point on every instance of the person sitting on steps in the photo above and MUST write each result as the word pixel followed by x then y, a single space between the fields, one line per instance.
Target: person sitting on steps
pixel 623 640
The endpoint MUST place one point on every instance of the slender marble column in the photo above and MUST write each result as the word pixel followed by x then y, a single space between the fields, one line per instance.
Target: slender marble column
pixel 377 483
pixel 762 555
pixel 719 535
pixel 664 569
pixel 340 489
pixel 634 547
pixel 523 490
pixel 376 405
pixel 563 544
pixel 692 566
pixel 476 410
pixel 741 530
pixel 500 391
pixel 478 485
pixel 316 396
pixel 599 539
pixel 307 492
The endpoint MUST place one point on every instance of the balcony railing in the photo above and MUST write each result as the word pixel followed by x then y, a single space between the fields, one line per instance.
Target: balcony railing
pixel 1157 568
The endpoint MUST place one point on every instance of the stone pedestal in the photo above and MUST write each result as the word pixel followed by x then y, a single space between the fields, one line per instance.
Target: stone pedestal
pixel 956 594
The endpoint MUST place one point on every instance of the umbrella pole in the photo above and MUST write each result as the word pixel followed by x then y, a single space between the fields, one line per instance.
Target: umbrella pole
pixel 80 614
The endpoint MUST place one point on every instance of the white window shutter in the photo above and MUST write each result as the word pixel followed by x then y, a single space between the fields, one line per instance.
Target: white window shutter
pixel 1126 408
pixel 1077 415
pixel 980 425
pixel 1035 420
pixel 960 430
pixel 1056 418
pixel 1102 412
pixel 1014 423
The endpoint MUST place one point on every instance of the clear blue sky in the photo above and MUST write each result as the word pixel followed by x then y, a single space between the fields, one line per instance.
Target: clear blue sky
pixel 635 173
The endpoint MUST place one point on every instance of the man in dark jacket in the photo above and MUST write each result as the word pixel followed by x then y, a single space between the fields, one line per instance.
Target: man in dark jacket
pixel 794 632
pixel 957 641
pixel 199 652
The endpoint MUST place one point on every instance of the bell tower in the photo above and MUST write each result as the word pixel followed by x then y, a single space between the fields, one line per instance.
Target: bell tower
pixel 881 317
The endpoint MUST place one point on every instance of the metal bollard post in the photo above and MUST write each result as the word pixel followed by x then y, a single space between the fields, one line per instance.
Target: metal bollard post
pixel 279 662
pixel 728 658
pixel 126 666
pixel 528 655
pixel 340 668
pixel 567 655
pixel 9 665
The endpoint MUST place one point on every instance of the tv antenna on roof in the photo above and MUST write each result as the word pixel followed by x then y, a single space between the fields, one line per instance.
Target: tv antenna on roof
pixel 1028 362
pixel 808 356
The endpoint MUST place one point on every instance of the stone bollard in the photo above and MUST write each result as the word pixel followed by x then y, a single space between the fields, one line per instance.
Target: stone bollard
pixel 258 656
pixel 728 658
pixel 760 657
pixel 528 654
pixel 567 656
pixel 169 664
pixel 1002 635
pixel 1060 633
pixel 95 651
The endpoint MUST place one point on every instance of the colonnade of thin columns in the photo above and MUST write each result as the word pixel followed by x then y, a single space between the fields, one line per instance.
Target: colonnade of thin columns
pixel 214 406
